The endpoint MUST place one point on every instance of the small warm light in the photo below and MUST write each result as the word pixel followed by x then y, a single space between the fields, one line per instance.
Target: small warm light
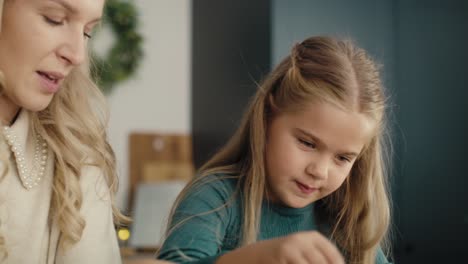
pixel 123 234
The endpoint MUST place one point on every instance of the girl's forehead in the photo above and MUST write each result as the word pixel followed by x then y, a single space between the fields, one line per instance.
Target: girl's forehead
pixel 338 128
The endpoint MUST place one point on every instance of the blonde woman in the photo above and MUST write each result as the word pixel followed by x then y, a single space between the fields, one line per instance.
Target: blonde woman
pixel 58 179
pixel 303 180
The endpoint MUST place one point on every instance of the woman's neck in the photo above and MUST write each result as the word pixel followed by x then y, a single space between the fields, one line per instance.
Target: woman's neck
pixel 8 110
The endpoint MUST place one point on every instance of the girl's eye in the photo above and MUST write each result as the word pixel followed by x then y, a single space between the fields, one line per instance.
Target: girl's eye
pixel 53 21
pixel 87 35
pixel 307 143
pixel 344 159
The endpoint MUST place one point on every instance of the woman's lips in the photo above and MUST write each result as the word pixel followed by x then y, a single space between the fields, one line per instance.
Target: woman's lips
pixel 50 81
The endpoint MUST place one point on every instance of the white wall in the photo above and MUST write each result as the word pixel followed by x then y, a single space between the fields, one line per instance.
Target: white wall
pixel 157 98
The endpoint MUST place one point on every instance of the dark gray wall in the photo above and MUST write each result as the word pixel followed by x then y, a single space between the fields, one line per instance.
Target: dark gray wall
pixel 231 50
pixel 369 22
pixel 432 78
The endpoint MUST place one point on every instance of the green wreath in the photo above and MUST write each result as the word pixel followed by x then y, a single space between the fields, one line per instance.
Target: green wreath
pixel 123 59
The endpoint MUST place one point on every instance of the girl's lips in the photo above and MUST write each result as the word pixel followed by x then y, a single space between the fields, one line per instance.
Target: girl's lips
pixel 304 188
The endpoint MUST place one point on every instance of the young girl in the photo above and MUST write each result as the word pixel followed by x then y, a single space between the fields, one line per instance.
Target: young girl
pixel 57 175
pixel 303 178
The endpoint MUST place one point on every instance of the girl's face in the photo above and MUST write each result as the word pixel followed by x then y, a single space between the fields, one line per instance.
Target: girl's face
pixel 41 41
pixel 310 153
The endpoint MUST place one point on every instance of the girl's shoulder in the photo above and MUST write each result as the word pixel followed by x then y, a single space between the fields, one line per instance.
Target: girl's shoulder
pixel 218 185
pixel 215 189
pixel 217 180
pixel 212 198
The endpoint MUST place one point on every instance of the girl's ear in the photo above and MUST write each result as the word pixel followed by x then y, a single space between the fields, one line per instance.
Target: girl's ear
pixel 271 101
pixel 271 109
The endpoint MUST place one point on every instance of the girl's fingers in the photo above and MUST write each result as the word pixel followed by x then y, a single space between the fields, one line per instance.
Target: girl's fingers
pixel 315 257
pixel 328 250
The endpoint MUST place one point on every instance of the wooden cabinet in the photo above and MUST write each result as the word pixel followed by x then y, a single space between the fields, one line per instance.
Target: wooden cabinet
pixel 159 157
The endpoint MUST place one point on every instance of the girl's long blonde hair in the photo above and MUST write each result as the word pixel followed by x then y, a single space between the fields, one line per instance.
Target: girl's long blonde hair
pixel 74 126
pixel 334 71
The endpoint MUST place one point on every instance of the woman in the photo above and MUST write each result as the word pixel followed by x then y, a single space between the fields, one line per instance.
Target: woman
pixel 57 170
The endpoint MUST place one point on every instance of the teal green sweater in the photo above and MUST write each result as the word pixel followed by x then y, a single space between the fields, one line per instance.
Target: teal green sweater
pixel 212 220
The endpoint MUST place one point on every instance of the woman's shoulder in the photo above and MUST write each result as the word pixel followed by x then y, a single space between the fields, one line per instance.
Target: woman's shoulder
pixel 4 155
pixel 93 183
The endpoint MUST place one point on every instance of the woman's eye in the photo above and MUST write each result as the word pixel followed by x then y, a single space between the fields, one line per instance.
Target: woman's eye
pixel 307 143
pixel 87 35
pixel 53 22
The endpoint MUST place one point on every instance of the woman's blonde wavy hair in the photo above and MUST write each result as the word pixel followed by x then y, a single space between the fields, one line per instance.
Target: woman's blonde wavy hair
pixel 74 126
pixel 328 70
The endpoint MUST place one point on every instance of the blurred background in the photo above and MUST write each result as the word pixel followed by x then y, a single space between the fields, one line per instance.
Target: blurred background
pixel 202 59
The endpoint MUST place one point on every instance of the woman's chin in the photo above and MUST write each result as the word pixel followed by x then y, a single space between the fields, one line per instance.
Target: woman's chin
pixel 39 104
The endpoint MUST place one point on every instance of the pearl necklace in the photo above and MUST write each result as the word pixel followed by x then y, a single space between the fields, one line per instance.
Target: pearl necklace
pixel 29 178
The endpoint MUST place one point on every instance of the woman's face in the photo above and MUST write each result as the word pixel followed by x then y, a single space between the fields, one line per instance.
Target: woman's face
pixel 41 41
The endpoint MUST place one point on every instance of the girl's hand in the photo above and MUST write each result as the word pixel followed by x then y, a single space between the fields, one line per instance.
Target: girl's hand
pixel 298 248
pixel 146 261
pixel 304 247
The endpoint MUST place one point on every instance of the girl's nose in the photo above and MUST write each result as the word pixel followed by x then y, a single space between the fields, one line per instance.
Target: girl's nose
pixel 318 168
